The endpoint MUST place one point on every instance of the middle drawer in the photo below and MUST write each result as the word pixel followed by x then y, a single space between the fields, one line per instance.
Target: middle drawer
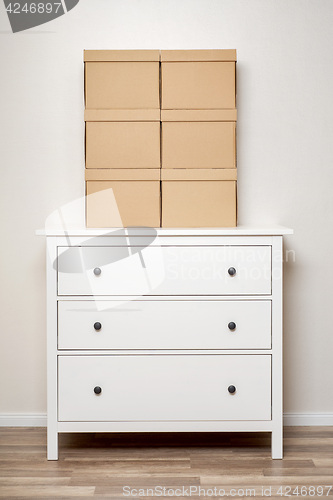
pixel 186 324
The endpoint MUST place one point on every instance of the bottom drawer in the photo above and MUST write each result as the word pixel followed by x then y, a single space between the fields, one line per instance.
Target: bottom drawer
pixel 164 387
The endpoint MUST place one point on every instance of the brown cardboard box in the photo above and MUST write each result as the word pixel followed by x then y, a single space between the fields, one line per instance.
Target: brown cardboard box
pixel 114 142
pixel 199 138
pixel 123 198
pixel 198 79
pixel 116 79
pixel 199 198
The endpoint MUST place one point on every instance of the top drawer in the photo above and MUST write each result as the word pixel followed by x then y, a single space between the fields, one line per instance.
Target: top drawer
pixel 169 270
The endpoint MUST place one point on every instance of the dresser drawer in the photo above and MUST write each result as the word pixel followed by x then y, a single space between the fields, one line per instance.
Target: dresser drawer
pixel 164 270
pixel 164 324
pixel 164 387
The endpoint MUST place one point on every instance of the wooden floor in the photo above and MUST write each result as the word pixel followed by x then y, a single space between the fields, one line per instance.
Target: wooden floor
pixel 99 465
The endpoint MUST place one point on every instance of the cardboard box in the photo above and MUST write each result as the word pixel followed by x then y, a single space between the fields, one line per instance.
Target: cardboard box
pixel 116 79
pixel 118 143
pixel 199 139
pixel 123 198
pixel 198 79
pixel 199 198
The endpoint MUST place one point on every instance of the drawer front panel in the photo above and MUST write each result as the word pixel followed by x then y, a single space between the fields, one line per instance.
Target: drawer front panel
pixel 164 324
pixel 164 387
pixel 154 270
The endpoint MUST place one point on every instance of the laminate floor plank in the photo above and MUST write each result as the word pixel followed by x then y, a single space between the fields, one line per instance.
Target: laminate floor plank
pixel 47 491
pixel 137 481
pixel 316 471
pixel 35 481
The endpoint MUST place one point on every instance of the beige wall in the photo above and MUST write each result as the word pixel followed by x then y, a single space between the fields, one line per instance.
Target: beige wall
pixel 285 160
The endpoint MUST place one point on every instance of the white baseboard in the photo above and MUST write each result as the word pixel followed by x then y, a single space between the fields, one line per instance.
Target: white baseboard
pixel 22 419
pixel 310 419
pixel 39 419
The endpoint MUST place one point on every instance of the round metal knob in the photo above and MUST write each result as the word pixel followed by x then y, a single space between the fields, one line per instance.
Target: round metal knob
pixel 97 326
pixel 232 325
pixel 97 271
pixel 97 390
pixel 231 271
pixel 231 389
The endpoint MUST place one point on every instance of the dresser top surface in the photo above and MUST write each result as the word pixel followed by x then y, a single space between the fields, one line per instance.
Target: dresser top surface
pixel 272 230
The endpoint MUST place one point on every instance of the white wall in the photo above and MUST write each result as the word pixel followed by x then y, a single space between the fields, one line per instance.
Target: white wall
pixel 285 159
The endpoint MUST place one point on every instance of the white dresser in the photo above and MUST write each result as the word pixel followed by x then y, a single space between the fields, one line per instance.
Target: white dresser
pixel 157 330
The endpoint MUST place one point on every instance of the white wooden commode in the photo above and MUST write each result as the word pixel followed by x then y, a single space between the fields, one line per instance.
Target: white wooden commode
pixel 164 330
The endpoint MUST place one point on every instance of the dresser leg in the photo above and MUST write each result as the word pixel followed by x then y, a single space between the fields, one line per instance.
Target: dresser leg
pixel 52 445
pixel 277 444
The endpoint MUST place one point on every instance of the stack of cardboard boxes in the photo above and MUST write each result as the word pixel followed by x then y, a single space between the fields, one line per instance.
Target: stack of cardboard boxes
pixel 198 118
pixel 160 138
pixel 122 94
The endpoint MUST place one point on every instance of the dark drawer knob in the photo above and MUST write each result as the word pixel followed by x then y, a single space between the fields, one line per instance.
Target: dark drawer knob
pixel 97 271
pixel 97 326
pixel 232 389
pixel 232 326
pixel 231 271
pixel 97 390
